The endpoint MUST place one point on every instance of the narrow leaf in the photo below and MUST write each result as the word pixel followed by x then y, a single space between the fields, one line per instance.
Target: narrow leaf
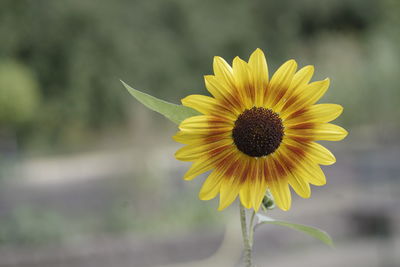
pixel 312 231
pixel 173 112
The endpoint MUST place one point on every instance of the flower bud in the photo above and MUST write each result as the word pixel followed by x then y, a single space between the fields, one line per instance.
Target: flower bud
pixel 268 201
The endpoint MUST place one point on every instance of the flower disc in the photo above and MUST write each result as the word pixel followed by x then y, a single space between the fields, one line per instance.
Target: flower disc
pixel 258 132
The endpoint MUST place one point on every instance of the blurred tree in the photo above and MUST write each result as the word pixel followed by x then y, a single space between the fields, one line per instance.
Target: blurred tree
pixel 78 50
pixel 19 102
pixel 19 95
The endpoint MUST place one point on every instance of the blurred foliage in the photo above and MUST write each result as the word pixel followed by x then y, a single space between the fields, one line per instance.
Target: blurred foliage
pixel 28 225
pixel 19 94
pixel 76 51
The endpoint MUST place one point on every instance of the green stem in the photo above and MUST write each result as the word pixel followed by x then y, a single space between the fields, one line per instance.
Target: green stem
pixel 247 245
pixel 251 229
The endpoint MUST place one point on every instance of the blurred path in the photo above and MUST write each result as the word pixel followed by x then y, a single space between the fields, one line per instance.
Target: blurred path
pixel 360 209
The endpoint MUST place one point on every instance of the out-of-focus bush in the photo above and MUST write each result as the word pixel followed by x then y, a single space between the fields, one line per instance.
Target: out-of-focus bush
pixel 19 94
pixel 79 50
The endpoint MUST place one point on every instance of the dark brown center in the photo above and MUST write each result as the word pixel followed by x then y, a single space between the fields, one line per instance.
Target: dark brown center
pixel 258 132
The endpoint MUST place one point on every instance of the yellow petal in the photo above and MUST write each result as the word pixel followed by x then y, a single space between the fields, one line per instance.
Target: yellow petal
pixel 223 71
pixel 198 168
pixel 278 184
pixel 188 138
pixel 280 82
pixel 246 176
pixel 245 195
pixel 281 193
pixel 258 185
pixel 259 70
pixel 311 172
pixel 316 152
pixel 206 123
pixel 195 151
pixel 221 91
pixel 319 154
pixel 207 105
pixel 259 194
pixel 211 186
pixel 205 164
pixel 300 186
pixel 229 191
pixel 303 167
pixel 315 113
pixel 181 137
pixel 231 184
pixel 305 96
pixel 300 79
pixel 325 112
pixel 242 82
pixel 313 131
pixel 329 132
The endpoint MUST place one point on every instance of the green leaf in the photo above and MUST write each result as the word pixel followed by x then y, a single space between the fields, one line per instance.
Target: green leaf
pixel 173 112
pixel 312 231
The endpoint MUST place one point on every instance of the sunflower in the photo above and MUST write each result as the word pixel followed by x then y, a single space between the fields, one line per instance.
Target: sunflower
pixel 257 134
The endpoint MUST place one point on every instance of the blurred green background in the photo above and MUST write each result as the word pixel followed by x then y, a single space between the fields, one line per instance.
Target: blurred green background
pixel 86 170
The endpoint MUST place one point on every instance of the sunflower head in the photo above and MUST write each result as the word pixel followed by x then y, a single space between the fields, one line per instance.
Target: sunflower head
pixel 257 133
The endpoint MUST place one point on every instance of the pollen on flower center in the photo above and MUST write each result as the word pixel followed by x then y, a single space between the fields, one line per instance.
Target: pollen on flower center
pixel 258 132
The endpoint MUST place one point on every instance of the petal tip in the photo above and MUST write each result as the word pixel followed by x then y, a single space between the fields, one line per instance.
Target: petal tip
pixel 331 162
pixel 221 207
pixel 175 138
pixel 217 59
pixel 202 196
pixel 188 177
pixel 258 52
pixel 245 204
pixel 290 65
pixel 291 62
pixel 345 133
pixel 237 59
pixel 284 208
pixel 184 100
pixel 340 109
